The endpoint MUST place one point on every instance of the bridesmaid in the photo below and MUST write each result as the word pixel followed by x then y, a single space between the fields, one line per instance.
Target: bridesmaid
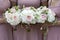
pixel 35 32
pixel 5 29
pixel 54 31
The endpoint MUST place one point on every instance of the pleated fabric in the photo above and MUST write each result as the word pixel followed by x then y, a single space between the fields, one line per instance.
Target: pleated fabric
pixel 5 29
pixel 34 34
pixel 27 3
pixel 53 33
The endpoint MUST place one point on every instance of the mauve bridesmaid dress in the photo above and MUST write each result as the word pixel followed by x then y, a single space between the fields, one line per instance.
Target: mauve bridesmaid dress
pixel 5 29
pixel 35 33
pixel 35 3
pixel 54 31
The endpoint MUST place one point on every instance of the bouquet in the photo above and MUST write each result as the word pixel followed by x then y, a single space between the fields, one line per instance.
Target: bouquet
pixel 12 16
pixel 44 14
pixel 29 15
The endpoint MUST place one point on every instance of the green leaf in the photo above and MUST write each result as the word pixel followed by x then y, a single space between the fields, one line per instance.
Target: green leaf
pixel 33 8
pixel 9 10
pixel 16 7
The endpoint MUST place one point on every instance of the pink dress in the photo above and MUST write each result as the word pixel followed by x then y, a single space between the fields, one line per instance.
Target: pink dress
pixel 5 29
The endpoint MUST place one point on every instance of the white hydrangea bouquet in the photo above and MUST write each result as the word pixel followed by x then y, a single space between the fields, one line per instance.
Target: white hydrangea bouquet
pixel 29 15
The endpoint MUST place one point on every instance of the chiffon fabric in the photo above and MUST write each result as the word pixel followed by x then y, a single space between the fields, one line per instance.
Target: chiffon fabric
pixel 6 32
pixel 27 3
pixel 54 31
pixel 22 34
pixel 35 33
pixel 5 29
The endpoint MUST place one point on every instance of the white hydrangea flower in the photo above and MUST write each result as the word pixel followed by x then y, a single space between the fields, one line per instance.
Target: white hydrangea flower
pixel 50 12
pixel 27 16
pixel 51 18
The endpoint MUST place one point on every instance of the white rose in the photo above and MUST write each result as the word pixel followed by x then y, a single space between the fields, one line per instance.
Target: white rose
pixel 42 18
pixel 16 18
pixel 13 18
pixel 27 19
pixel 27 16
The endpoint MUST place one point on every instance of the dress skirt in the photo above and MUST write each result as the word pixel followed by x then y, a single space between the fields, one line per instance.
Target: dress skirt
pixel 34 33
pixel 53 33
pixel 5 32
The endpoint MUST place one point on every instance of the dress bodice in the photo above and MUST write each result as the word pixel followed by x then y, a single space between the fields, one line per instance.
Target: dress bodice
pixel 35 3
pixel 4 4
